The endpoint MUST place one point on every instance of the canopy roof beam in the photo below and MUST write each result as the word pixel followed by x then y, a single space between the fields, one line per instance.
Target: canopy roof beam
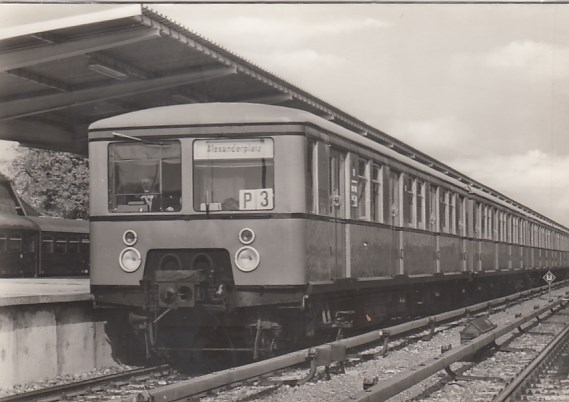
pixel 42 104
pixel 270 100
pixel 58 51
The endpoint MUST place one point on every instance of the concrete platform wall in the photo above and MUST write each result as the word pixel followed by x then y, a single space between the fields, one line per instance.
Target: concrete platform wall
pixel 39 341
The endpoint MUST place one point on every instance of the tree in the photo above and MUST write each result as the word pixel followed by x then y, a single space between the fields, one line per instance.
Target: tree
pixel 54 183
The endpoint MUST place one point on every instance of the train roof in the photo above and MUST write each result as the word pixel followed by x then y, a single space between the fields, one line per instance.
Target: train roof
pixel 8 221
pixel 202 114
pixel 207 114
pixel 48 224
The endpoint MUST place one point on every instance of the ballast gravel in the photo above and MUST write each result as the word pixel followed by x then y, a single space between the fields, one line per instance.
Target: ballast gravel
pixel 341 386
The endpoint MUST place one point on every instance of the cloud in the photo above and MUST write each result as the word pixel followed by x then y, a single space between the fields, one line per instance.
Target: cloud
pixel 281 33
pixel 535 179
pixel 539 60
pixel 441 137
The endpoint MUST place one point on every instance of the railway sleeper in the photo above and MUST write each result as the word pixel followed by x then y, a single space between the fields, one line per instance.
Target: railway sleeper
pixel 321 356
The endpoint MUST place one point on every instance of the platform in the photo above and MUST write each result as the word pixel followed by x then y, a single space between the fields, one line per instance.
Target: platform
pixel 23 291
pixel 50 320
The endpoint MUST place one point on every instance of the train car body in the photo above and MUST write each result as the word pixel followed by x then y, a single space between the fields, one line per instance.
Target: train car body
pixel 272 224
pixel 19 237
pixel 33 246
pixel 64 246
pixel 19 242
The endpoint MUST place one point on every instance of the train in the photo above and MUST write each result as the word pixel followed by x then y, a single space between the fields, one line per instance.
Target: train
pixel 263 226
pixel 35 246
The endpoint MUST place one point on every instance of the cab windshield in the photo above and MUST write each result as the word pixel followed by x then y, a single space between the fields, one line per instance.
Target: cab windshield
pixel 233 175
pixel 145 177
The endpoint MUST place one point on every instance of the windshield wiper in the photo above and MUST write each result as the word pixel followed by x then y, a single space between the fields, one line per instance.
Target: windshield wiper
pixel 130 137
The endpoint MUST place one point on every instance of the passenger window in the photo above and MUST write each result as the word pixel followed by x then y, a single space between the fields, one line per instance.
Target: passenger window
pixel 460 218
pixel 15 242
pixel 433 208
pixel 452 213
pixel 395 198
pixel 377 194
pixel 47 244
pixel 323 168
pixel 310 176
pixel 60 245
pixel 337 183
pixel 3 241
pixel 443 210
pixel 358 188
pixel 420 214
pixel 409 201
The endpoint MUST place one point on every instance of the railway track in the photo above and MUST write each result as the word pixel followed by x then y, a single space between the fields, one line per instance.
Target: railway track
pixel 266 379
pixel 546 378
pixel 102 388
pixel 501 371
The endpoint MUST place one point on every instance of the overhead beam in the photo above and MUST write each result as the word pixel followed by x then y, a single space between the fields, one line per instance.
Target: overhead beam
pixel 41 104
pixel 27 132
pixel 44 54
pixel 270 100
pixel 40 79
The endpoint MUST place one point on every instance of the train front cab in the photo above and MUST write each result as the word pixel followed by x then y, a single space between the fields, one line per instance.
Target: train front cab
pixel 202 229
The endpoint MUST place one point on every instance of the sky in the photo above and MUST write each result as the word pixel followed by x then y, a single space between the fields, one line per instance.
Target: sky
pixel 483 88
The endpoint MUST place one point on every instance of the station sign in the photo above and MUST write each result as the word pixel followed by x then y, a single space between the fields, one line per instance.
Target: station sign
pixel 233 149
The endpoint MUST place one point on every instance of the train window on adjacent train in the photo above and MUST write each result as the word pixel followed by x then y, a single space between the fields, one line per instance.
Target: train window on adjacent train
pixel 145 177
pixel 377 193
pixel 15 242
pixel 233 175
pixel 73 246
pixel 28 243
pixel 3 241
pixel 60 246
pixel 47 244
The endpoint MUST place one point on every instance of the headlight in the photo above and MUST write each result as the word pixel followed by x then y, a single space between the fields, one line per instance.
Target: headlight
pixel 130 259
pixel 246 236
pixel 130 237
pixel 247 259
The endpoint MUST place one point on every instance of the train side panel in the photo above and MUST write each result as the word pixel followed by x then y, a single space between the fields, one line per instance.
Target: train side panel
pixel 374 251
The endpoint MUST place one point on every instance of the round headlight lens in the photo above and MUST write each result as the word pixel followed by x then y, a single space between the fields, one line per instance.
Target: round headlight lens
pixel 130 259
pixel 130 237
pixel 246 236
pixel 247 259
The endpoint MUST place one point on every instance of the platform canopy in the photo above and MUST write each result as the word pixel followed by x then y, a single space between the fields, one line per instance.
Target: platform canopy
pixel 59 76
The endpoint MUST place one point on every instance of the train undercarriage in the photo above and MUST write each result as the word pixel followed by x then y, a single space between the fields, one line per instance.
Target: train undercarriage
pixel 180 317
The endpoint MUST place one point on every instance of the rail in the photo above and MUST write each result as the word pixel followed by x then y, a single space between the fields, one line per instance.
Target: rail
pixel 325 354
pixel 398 383
pixel 511 391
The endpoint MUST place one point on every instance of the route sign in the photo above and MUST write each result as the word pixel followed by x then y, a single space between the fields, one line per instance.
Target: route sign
pixel 549 277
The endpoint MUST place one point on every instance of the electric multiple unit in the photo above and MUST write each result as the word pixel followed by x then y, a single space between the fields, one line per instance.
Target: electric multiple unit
pixel 271 225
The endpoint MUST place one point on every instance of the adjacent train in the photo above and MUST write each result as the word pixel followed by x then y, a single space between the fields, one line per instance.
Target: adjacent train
pixel 270 225
pixel 34 246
